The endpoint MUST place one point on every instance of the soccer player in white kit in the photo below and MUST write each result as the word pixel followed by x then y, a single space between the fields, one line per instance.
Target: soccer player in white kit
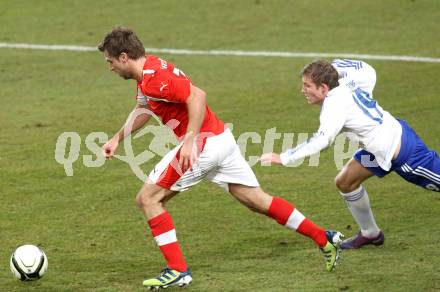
pixel 344 89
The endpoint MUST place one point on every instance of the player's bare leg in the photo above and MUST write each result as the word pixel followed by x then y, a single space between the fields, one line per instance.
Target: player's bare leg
pixel 252 197
pixel 352 175
pixel 286 214
pixel 151 200
pixel 349 182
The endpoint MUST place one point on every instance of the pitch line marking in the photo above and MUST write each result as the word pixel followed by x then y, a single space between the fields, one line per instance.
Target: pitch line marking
pixel 231 53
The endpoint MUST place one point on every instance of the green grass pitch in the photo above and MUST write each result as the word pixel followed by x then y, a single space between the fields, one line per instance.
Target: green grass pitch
pixel 88 223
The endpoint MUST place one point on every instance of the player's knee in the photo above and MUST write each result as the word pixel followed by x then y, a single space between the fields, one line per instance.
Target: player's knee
pixel 343 184
pixel 140 200
pixel 338 181
pixel 145 199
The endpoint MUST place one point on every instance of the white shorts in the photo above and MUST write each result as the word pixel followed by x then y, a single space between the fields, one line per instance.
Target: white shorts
pixel 220 162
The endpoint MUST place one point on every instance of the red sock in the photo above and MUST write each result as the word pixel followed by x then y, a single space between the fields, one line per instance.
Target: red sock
pixel 286 214
pixel 164 233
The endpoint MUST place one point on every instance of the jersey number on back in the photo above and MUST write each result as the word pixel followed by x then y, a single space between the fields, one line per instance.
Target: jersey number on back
pixel 178 72
pixel 368 105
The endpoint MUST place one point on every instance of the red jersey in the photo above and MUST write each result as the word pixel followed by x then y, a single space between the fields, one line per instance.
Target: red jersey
pixel 165 89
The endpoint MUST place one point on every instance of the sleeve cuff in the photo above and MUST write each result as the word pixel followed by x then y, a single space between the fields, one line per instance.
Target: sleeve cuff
pixel 284 157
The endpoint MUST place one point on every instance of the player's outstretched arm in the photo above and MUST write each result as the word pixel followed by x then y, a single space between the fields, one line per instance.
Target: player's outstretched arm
pixel 332 120
pixel 312 146
pixel 136 120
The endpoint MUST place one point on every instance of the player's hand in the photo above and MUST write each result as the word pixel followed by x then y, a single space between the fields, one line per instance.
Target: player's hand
pixel 269 158
pixel 188 153
pixel 109 148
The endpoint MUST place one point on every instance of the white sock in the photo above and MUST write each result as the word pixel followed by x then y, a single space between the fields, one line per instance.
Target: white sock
pixel 359 205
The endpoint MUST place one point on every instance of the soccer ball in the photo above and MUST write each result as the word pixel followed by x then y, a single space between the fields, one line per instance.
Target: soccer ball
pixel 28 263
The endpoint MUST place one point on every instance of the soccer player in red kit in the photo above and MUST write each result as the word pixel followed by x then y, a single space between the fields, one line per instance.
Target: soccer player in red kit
pixel 207 149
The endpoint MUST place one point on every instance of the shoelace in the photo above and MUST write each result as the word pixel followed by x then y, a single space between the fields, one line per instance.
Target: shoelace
pixel 164 275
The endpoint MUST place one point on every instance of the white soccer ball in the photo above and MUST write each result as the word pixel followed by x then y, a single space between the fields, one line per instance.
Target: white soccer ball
pixel 28 262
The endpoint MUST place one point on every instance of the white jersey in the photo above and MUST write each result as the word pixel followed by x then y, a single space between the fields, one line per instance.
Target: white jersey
pixel 356 74
pixel 350 108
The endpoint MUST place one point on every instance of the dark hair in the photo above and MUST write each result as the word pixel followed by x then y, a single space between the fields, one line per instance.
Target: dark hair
pixel 321 72
pixel 122 40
